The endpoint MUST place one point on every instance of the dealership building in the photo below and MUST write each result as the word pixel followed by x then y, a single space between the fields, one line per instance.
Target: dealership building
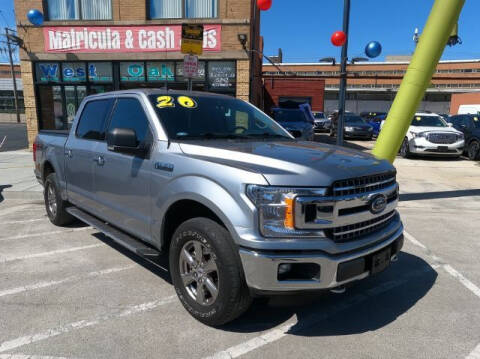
pixel 86 47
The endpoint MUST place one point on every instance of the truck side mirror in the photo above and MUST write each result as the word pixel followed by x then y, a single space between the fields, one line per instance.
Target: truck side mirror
pixel 124 140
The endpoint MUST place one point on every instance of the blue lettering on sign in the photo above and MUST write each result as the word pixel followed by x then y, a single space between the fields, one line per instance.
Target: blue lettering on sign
pixel 67 72
pixel 135 70
pixel 49 70
pixel 81 72
pixel 92 71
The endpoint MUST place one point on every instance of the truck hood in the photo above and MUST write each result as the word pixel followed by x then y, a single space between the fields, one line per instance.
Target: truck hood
pixel 285 163
pixel 418 129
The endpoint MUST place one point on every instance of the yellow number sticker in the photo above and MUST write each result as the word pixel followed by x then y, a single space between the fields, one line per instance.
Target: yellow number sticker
pixel 418 118
pixel 475 118
pixel 165 101
pixel 186 101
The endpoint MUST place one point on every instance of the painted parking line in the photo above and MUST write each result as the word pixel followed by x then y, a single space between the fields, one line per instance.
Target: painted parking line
pixel 25 356
pixel 9 210
pixel 53 332
pixel 447 267
pixel 31 235
pixel 312 319
pixel 475 354
pixel 41 285
pixel 25 221
pixel 50 253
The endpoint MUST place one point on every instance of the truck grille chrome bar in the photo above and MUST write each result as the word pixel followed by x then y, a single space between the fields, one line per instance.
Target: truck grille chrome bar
pixel 362 184
pixel 442 138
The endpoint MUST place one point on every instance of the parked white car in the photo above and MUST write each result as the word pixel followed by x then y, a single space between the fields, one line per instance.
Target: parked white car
pixel 429 134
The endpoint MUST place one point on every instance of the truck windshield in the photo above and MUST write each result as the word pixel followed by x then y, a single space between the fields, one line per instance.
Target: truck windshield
pixel 281 115
pixel 428 121
pixel 204 117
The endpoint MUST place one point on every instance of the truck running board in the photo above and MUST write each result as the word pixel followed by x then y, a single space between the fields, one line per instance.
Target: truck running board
pixel 125 240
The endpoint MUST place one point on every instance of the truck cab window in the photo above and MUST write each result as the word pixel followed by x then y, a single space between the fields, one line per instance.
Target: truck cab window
pixel 129 113
pixel 91 125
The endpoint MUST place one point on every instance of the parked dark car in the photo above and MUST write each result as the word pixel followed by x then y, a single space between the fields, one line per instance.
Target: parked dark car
pixel 296 121
pixel 322 123
pixel 469 124
pixel 354 127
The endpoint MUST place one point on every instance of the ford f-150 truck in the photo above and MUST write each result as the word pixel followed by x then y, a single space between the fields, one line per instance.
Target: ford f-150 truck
pixel 241 207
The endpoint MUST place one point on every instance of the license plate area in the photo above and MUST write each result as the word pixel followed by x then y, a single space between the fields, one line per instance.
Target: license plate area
pixel 380 261
pixel 442 148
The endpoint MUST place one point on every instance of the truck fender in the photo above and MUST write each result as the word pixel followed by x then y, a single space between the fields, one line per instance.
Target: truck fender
pixel 53 156
pixel 232 212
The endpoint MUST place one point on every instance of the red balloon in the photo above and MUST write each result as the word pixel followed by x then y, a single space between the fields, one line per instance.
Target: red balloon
pixel 264 5
pixel 338 38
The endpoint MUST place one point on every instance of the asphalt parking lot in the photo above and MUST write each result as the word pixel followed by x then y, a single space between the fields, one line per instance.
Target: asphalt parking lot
pixel 13 136
pixel 72 293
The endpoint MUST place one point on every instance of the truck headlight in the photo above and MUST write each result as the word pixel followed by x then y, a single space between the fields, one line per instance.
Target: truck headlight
pixel 349 128
pixel 460 137
pixel 276 208
pixel 420 134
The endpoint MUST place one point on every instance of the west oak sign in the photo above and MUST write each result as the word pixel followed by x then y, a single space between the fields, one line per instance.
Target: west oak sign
pixel 124 39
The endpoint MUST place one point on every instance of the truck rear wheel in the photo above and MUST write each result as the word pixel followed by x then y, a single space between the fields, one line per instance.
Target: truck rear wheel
pixel 473 150
pixel 54 204
pixel 207 273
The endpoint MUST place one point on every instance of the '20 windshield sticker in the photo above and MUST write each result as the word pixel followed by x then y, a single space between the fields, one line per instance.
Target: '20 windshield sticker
pixel 168 101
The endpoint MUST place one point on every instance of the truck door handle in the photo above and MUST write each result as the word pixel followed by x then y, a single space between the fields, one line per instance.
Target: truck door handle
pixel 68 153
pixel 100 160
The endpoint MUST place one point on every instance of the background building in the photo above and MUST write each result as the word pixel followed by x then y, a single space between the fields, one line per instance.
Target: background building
pixel 87 47
pixel 372 86
pixel 7 98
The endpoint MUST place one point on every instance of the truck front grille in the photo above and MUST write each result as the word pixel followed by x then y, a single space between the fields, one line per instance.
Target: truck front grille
pixel 357 230
pixel 362 185
pixel 442 138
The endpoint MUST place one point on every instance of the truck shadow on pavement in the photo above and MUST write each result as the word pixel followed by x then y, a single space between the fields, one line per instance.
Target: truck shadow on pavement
pixel 365 306
pixel 2 187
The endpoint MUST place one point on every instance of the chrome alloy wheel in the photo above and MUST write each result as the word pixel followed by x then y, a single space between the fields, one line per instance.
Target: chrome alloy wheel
pixel 199 272
pixel 52 200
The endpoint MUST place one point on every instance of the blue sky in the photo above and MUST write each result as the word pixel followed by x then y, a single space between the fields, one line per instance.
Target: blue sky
pixel 302 28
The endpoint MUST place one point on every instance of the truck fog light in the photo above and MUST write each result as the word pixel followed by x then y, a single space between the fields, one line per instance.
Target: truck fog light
pixel 284 268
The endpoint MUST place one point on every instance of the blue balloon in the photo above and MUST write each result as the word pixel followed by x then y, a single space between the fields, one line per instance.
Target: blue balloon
pixel 35 17
pixel 373 49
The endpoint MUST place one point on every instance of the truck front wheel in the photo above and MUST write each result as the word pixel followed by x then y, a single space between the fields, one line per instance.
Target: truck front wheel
pixel 54 204
pixel 206 273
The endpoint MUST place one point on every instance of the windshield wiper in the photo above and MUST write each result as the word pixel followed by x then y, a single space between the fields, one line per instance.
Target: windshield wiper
pixel 267 135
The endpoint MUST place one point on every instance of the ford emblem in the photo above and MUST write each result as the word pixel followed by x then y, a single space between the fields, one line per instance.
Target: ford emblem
pixel 378 203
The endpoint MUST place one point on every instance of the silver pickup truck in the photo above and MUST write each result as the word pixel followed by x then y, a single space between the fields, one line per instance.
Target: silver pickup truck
pixel 241 207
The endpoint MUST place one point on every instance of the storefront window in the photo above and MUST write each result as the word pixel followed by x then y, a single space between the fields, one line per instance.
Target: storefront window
pixel 222 75
pixel 48 72
pixel 74 72
pixel 51 109
pixel 160 71
pixel 100 71
pixel 79 9
pixel 173 9
pixel 200 74
pixel 132 71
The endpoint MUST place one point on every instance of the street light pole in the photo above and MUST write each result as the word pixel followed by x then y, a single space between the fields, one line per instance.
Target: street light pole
pixel 343 74
pixel 12 69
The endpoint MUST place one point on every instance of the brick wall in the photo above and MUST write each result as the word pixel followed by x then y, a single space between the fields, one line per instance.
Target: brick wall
pixel 294 87
pixel 472 98
pixel 29 99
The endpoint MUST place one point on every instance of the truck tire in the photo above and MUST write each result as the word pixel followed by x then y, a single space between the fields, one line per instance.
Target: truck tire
pixel 54 204
pixel 405 149
pixel 473 150
pixel 207 273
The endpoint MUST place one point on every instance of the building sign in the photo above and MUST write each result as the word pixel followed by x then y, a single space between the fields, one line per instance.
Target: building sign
pixel 192 39
pixel 190 66
pixel 76 39
pixel 100 71
pixel 160 71
pixel 74 72
pixel 200 71
pixel 48 72
pixel 132 71
pixel 222 74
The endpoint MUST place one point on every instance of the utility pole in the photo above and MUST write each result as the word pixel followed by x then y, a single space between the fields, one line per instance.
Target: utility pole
pixel 12 69
pixel 343 74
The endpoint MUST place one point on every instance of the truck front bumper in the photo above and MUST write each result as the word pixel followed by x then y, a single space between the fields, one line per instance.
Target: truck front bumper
pixel 317 270
pixel 421 146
